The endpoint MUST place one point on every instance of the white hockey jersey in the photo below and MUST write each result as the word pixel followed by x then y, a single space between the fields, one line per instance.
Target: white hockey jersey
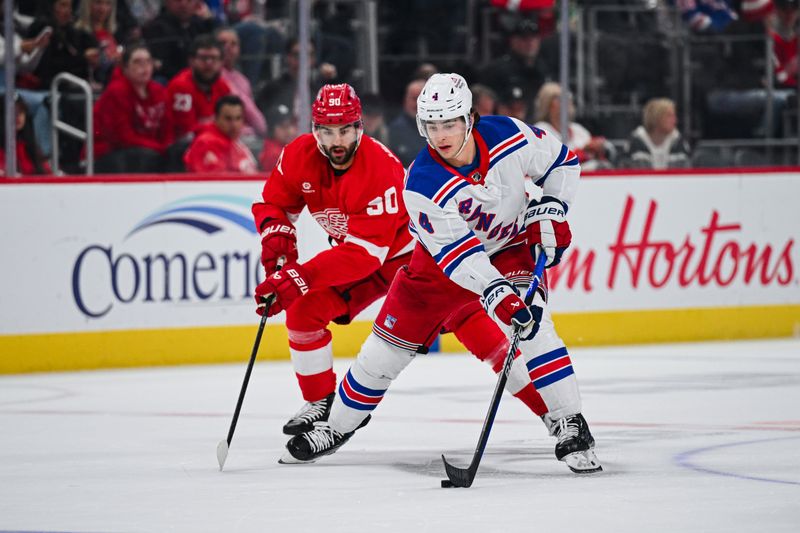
pixel 462 220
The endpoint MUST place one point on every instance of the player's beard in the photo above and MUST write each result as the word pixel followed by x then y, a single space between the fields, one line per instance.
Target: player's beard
pixel 343 157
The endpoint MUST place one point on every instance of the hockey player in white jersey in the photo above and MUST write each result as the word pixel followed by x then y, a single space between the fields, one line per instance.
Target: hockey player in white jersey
pixel 475 227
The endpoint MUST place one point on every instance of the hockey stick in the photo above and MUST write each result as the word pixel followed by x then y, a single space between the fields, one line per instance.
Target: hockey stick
pixel 224 445
pixel 463 477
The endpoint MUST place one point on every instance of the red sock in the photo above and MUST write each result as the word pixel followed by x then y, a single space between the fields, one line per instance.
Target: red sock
pixel 531 397
pixel 483 338
pixel 317 386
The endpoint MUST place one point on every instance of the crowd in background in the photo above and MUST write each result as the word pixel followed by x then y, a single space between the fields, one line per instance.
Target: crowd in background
pixel 210 86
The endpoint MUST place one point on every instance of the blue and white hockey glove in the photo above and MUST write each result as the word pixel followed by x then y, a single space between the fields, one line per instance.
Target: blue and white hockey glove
pixel 501 301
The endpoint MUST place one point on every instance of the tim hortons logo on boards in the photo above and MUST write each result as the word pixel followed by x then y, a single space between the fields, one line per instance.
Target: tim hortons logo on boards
pixel 712 255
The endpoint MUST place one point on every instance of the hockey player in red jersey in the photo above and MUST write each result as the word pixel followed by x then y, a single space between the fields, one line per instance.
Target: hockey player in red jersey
pixel 352 186
pixel 476 226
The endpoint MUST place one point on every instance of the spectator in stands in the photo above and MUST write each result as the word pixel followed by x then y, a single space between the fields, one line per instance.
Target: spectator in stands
pixel 282 91
pixel 171 33
pixel 404 138
pixel 27 54
pixel 217 147
pixel 706 15
pixel 425 71
pixel 70 49
pixel 259 36
pixel 657 143
pixel 591 150
pixel 255 125
pixel 784 37
pixel 29 158
pixel 521 66
pixel 132 118
pixel 99 17
pixel 194 91
pixel 372 115
pixel 282 126
pixel 484 100
pixel 144 11
pixel 129 28
pixel 756 10
pixel 515 102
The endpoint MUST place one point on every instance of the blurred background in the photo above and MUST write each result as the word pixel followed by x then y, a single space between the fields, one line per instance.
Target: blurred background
pixel 652 83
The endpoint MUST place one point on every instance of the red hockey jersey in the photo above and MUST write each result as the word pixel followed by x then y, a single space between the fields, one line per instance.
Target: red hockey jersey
pixel 361 209
pixel 191 107
pixel 213 151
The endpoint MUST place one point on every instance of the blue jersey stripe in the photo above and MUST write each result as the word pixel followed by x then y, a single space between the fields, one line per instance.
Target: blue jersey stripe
pixel 540 360
pixel 361 389
pixel 558 163
pixel 549 379
pixel 496 159
pixel 452 193
pixel 352 403
pixel 452 246
pixel 448 270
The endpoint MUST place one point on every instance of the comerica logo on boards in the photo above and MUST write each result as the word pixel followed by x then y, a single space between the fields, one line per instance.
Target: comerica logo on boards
pixel 105 275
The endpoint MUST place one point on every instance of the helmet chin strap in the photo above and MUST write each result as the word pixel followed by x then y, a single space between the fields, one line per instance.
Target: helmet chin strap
pixel 466 136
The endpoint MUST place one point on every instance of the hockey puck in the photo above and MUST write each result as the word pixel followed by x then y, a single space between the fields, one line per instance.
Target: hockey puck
pixel 447 484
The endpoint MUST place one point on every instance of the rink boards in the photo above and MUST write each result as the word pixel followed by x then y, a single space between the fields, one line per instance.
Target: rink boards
pixel 152 270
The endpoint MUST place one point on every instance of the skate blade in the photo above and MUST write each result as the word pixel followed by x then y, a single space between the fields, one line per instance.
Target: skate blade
pixel 585 462
pixel 288 459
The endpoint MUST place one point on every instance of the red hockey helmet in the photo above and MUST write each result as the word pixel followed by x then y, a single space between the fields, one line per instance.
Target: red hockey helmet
pixel 336 104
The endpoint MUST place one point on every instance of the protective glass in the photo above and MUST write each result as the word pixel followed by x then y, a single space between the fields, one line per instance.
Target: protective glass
pixel 331 135
pixel 438 129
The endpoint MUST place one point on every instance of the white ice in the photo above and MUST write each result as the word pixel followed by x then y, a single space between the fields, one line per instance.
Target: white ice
pixel 693 438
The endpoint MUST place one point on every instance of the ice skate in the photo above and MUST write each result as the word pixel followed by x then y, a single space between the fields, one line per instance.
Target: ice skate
pixel 575 443
pixel 303 420
pixel 309 446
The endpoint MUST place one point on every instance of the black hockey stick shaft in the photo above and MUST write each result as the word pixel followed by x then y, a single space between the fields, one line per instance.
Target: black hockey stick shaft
pixel 249 371
pixel 222 447
pixel 463 477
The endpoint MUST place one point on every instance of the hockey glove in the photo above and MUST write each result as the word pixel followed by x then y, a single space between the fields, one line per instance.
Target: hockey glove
pixel 287 285
pixel 501 301
pixel 278 239
pixel 546 224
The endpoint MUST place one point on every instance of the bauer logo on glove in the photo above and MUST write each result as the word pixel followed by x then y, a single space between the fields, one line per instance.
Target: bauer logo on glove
pixel 546 225
pixel 278 240
pixel 282 288
pixel 501 301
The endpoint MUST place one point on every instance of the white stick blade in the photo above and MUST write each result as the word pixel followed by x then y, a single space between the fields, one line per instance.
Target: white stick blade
pixel 222 453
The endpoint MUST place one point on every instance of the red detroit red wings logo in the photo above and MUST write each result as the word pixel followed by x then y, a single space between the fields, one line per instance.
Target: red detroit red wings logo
pixel 333 221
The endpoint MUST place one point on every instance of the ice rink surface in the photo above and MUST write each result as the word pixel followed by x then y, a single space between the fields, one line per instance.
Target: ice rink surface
pixel 693 438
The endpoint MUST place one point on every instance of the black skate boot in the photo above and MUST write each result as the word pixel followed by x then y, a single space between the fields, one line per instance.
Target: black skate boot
pixel 575 444
pixel 310 446
pixel 303 420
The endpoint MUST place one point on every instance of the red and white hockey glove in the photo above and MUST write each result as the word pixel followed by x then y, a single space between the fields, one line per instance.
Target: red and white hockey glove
pixel 287 285
pixel 278 239
pixel 546 224
pixel 501 300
